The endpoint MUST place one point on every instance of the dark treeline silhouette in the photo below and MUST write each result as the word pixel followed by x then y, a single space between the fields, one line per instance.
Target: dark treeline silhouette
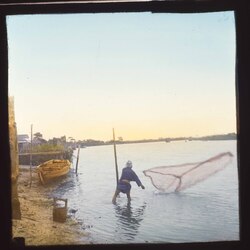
pixel 91 142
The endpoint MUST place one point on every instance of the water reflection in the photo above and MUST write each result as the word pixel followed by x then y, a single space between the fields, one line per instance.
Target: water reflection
pixel 129 220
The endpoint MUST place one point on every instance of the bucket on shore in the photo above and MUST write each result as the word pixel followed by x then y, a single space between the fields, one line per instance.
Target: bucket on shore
pixel 60 210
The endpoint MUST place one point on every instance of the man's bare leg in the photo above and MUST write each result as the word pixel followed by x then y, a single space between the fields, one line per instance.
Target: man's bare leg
pixel 115 195
pixel 128 196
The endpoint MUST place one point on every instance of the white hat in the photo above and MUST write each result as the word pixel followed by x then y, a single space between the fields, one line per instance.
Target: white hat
pixel 129 164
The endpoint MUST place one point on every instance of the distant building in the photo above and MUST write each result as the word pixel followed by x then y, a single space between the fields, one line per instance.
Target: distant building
pixel 22 138
pixel 23 142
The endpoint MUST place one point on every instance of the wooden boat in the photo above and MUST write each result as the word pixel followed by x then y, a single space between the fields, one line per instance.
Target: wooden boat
pixel 52 169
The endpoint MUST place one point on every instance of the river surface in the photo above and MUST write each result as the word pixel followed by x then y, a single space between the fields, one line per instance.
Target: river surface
pixel 208 211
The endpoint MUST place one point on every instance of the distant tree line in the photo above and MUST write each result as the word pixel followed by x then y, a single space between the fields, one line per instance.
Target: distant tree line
pixel 62 144
pixel 230 136
pixel 91 142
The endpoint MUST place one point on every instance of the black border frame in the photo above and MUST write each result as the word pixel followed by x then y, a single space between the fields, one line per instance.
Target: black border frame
pixel 242 20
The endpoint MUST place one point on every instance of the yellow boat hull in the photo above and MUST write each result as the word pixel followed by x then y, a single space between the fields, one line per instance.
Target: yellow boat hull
pixel 52 169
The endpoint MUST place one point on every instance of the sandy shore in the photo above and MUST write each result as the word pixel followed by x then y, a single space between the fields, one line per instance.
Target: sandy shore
pixel 37 225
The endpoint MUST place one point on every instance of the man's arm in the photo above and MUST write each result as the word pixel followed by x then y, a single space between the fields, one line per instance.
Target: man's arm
pixel 137 180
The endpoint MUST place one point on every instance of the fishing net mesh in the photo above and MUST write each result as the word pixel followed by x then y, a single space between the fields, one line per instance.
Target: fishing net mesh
pixel 179 177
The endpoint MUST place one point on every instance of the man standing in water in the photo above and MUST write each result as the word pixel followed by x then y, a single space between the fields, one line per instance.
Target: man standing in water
pixel 124 183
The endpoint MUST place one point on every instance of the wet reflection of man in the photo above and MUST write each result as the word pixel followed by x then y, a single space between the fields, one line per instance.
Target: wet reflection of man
pixel 129 219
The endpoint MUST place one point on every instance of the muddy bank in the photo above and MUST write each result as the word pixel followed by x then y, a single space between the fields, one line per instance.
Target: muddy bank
pixel 36 224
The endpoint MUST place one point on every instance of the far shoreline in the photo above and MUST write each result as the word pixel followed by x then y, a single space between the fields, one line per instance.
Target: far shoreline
pixel 219 137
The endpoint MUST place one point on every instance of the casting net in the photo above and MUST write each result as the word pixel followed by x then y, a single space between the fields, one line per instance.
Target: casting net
pixel 179 177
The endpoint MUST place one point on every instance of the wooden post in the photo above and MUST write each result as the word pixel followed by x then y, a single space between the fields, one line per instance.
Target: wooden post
pixel 116 165
pixel 77 159
pixel 31 139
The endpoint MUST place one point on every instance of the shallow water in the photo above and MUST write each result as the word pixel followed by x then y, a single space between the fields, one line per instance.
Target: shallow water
pixel 207 211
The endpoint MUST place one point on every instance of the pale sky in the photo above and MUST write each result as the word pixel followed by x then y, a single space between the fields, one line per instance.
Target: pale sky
pixel 146 75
